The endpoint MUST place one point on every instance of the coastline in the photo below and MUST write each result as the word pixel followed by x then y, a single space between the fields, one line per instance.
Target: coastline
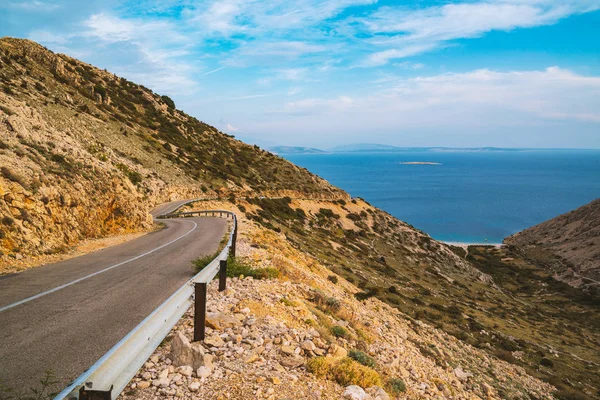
pixel 465 245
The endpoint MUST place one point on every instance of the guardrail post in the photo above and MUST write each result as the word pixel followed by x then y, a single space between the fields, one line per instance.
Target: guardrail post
pixel 232 248
pixel 199 311
pixel 222 275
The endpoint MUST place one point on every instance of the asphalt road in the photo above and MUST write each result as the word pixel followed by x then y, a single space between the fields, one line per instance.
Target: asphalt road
pixel 62 317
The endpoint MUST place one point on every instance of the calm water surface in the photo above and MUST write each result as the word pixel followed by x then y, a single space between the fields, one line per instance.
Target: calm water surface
pixel 471 197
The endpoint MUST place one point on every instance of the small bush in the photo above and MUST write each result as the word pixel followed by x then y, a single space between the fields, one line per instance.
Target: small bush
pixel 339 331
pixel 2 234
pixel 327 213
pixel 8 221
pixel 396 386
pixel 320 366
pixel 237 267
pixel 101 90
pixel 200 263
pixel 325 303
pixel 345 372
pixel 362 358
pixel 168 101
pixel 349 372
pixel 332 278
pixel 546 362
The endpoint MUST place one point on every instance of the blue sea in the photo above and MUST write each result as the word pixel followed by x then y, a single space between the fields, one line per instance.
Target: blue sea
pixel 472 196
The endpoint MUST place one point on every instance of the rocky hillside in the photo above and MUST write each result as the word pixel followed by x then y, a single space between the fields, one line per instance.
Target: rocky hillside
pixel 84 153
pixel 569 245
pixel 306 333
pixel 488 298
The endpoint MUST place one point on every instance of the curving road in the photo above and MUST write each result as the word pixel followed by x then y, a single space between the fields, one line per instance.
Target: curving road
pixel 64 316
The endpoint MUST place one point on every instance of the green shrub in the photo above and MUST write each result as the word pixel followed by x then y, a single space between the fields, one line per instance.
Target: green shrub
pixel 362 358
pixel 396 386
pixel 134 176
pixel 168 101
pixel 546 362
pixel 8 221
pixel 237 267
pixel 339 331
pixel 326 213
pixel 200 263
pixel 2 234
pixel 101 90
pixel 332 278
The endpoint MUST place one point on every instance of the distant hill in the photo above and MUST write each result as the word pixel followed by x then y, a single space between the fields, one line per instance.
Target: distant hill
pixel 375 147
pixel 568 244
pixel 295 150
pixel 359 147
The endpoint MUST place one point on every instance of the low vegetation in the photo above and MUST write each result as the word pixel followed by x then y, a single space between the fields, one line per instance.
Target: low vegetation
pixel 529 317
pixel 345 372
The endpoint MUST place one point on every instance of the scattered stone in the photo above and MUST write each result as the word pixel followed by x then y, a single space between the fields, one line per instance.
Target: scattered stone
pixel 203 372
pixel 186 370
pixel 462 375
pixel 354 392
pixel 275 380
pixel 220 321
pixel 143 385
pixel 308 345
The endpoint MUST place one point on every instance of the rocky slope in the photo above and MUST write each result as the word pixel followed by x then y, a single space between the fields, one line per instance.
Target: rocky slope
pixel 84 153
pixel 569 245
pixel 305 335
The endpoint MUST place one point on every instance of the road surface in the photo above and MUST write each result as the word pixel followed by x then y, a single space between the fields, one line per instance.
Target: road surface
pixel 64 316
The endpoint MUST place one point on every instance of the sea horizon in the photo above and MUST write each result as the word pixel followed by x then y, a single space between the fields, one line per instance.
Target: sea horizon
pixel 487 195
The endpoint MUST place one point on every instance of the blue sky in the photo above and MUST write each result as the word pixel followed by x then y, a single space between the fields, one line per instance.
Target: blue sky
pixel 503 73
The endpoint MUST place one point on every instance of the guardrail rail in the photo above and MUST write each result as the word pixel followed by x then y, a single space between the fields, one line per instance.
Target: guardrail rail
pixel 107 378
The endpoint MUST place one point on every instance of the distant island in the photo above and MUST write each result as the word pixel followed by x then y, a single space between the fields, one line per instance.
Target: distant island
pixel 383 148
pixel 295 150
pixel 420 163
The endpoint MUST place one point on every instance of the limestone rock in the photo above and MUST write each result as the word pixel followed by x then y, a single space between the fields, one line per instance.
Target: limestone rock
pixel 354 392
pixel 221 321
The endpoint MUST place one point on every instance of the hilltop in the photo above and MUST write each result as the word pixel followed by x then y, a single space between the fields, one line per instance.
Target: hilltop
pixel 568 245
pixel 86 154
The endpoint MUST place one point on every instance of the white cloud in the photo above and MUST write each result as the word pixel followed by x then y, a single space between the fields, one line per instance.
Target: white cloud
pixel 259 17
pixel 383 57
pixel 483 98
pixel 231 128
pixel 31 6
pixel 407 32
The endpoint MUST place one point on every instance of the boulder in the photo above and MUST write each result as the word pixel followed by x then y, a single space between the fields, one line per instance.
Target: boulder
pixel 186 354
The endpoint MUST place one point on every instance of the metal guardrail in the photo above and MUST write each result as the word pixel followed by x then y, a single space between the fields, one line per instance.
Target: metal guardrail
pixel 107 378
